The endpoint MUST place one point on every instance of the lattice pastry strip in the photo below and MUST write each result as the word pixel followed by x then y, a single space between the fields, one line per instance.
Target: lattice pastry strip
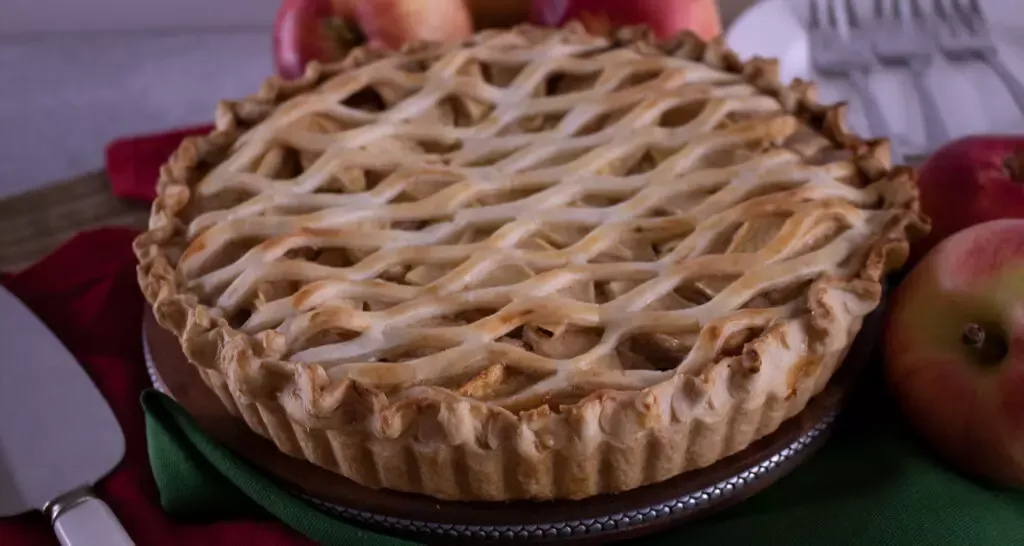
pixel 540 239
pixel 694 157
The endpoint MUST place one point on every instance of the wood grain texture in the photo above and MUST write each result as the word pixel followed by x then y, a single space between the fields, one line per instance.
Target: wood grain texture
pixel 33 224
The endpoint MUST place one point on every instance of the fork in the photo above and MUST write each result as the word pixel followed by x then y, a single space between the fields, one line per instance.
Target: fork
pixel 850 58
pixel 964 35
pixel 907 42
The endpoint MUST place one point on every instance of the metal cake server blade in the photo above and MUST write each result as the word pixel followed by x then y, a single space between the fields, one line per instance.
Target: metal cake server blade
pixel 58 436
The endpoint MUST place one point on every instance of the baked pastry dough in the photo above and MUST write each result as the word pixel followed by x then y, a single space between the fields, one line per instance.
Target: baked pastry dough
pixel 539 264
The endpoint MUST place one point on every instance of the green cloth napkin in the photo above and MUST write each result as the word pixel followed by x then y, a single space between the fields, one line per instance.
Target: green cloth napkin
pixel 871 484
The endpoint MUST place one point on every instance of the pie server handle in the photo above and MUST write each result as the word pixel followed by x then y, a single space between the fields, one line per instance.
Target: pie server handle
pixel 81 519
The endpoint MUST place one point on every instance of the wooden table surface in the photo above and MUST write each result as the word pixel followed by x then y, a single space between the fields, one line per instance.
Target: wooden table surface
pixel 34 223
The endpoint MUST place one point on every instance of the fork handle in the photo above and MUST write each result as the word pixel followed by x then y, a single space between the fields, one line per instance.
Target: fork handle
pixel 935 130
pixel 877 123
pixel 1011 82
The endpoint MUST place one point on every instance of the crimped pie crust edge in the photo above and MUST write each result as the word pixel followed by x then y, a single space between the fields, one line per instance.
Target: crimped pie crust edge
pixel 454 448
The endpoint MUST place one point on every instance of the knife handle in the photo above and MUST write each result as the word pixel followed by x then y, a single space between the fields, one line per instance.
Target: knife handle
pixel 81 519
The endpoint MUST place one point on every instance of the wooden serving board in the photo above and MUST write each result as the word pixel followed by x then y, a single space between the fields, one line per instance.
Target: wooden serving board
pixel 604 518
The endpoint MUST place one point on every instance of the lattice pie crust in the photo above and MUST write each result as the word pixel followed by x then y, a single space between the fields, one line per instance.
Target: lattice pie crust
pixel 539 264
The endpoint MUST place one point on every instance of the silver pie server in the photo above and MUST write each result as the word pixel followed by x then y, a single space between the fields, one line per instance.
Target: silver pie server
pixel 58 436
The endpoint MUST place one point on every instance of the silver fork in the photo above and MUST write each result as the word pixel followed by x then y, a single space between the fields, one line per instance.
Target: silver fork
pixel 907 42
pixel 963 35
pixel 850 58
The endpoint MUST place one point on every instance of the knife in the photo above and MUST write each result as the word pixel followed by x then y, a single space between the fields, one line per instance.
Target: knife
pixel 58 436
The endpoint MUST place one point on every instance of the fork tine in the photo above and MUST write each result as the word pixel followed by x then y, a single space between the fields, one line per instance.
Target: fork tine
pixel 959 10
pixel 915 9
pixel 975 9
pixel 961 17
pixel 880 9
pixel 940 10
pixel 833 20
pixel 851 14
pixel 815 15
pixel 897 10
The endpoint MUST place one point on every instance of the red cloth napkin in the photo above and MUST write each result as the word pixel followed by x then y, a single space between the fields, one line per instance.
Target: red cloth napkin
pixel 133 163
pixel 87 293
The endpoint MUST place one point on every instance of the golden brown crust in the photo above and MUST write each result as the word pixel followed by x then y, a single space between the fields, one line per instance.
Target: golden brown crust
pixel 436 442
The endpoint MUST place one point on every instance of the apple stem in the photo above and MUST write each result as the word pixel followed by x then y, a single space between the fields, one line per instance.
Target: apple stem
pixel 990 347
pixel 974 335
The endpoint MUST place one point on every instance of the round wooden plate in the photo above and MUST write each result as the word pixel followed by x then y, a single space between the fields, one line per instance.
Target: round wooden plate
pixel 603 518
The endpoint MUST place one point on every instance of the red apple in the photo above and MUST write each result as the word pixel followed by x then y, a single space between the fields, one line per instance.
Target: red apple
pixel 954 349
pixel 326 30
pixel 307 30
pixel 969 181
pixel 665 17
pixel 391 23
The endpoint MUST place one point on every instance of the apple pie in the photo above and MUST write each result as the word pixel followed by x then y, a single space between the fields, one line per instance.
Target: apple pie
pixel 536 264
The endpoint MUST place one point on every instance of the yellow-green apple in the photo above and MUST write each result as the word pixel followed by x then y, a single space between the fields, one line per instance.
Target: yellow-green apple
pixel 326 30
pixel 954 349
pixel 969 181
pixel 666 18
pixel 391 23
